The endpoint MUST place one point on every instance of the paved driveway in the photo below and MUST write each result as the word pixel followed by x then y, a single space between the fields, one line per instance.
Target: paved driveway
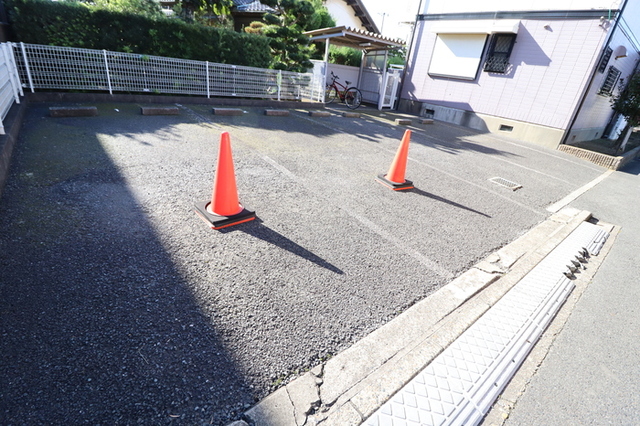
pixel 118 305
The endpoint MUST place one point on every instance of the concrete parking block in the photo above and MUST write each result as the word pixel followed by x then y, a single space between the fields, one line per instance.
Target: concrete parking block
pixel 351 114
pixel 425 121
pixel 277 112
pixel 319 113
pixel 227 111
pixel 73 111
pixel 403 121
pixel 159 110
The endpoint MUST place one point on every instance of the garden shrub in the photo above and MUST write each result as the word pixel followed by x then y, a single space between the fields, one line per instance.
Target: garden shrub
pixel 72 24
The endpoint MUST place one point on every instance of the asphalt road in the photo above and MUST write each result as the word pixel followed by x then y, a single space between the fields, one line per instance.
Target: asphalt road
pixel 119 306
pixel 591 375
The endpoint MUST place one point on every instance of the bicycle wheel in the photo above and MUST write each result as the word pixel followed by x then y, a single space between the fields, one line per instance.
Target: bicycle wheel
pixel 353 98
pixel 330 94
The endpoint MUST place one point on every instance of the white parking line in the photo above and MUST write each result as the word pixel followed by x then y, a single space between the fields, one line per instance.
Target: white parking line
pixel 556 207
pixel 432 265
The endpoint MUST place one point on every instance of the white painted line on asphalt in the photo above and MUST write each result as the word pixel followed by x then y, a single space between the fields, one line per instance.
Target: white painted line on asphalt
pixel 540 150
pixel 530 169
pixel 556 207
pixel 524 206
pixel 334 126
pixel 430 264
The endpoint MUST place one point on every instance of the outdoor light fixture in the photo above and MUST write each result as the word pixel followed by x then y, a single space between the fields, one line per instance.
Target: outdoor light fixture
pixel 621 52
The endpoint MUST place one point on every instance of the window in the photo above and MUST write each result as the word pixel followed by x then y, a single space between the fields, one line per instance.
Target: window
pixel 499 52
pixel 605 60
pixel 610 81
pixel 457 55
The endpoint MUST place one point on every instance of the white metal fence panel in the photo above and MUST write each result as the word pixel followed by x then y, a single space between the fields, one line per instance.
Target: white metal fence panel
pixel 66 68
pixel 10 90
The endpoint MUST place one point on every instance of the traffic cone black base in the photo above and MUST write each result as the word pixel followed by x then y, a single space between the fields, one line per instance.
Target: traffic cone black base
pixel 407 184
pixel 218 222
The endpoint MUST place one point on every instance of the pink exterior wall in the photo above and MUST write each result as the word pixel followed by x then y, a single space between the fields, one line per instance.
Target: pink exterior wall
pixel 550 69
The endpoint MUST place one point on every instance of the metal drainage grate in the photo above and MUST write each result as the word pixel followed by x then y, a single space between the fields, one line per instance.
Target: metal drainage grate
pixel 461 384
pixel 506 183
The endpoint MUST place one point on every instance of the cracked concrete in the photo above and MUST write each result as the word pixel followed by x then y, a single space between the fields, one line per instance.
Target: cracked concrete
pixel 349 387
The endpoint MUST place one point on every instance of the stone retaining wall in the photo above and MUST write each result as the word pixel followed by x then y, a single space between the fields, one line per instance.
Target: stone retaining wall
pixel 604 160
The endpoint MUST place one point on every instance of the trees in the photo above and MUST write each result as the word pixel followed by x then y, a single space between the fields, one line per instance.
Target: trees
pixel 146 8
pixel 627 103
pixel 206 12
pixel 285 27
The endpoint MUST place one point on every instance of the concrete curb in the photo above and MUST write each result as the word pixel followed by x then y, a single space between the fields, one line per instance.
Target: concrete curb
pixel 12 124
pixel 609 161
pixel 349 387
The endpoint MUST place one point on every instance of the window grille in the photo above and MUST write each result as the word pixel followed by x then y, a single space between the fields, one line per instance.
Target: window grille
pixel 605 59
pixel 610 81
pixel 499 53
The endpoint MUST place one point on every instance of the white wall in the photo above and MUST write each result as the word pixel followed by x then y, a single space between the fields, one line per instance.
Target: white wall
pixel 458 6
pixel 343 14
pixel 596 111
pixel 345 73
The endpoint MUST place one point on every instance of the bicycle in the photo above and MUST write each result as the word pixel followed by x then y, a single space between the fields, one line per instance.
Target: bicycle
pixel 351 96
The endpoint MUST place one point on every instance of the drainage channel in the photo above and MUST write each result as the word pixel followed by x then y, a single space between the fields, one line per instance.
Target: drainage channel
pixel 460 385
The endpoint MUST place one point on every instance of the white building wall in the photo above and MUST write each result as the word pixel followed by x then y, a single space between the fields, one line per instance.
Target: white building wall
pixel 596 110
pixel 343 14
pixel 466 6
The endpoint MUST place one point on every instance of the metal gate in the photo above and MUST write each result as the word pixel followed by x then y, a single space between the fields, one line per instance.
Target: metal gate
pixel 389 92
pixel 371 76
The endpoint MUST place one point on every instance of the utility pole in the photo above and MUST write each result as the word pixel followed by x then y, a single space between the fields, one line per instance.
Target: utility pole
pixel 382 26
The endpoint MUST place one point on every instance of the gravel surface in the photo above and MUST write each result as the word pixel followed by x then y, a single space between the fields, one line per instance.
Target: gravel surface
pixel 118 305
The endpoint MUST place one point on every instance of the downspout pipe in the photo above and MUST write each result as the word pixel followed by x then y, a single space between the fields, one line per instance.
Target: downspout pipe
pixel 409 52
pixel 594 72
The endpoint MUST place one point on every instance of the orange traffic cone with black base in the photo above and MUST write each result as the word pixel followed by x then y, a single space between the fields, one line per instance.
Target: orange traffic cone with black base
pixel 224 209
pixel 394 178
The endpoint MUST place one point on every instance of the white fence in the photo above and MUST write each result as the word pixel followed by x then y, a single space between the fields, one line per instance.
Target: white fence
pixel 33 66
pixel 10 88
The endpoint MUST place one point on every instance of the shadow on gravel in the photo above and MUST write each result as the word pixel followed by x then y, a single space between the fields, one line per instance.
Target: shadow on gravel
pixel 444 200
pixel 96 324
pixel 373 126
pixel 258 230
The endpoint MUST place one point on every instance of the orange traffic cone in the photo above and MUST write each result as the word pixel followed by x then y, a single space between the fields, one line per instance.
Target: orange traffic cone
pixel 224 209
pixel 394 178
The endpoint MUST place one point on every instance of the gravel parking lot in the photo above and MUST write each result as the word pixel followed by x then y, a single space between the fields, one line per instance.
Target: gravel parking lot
pixel 118 305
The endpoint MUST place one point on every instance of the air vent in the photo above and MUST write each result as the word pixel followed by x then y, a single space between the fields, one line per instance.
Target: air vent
pixel 506 183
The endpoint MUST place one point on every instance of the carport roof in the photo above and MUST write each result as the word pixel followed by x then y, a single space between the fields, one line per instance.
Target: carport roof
pixel 350 37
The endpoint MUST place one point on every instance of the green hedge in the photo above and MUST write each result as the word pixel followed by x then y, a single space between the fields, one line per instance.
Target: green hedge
pixel 76 25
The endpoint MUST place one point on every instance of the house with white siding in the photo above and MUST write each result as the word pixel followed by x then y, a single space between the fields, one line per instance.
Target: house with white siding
pixel 538 70
pixel 352 14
